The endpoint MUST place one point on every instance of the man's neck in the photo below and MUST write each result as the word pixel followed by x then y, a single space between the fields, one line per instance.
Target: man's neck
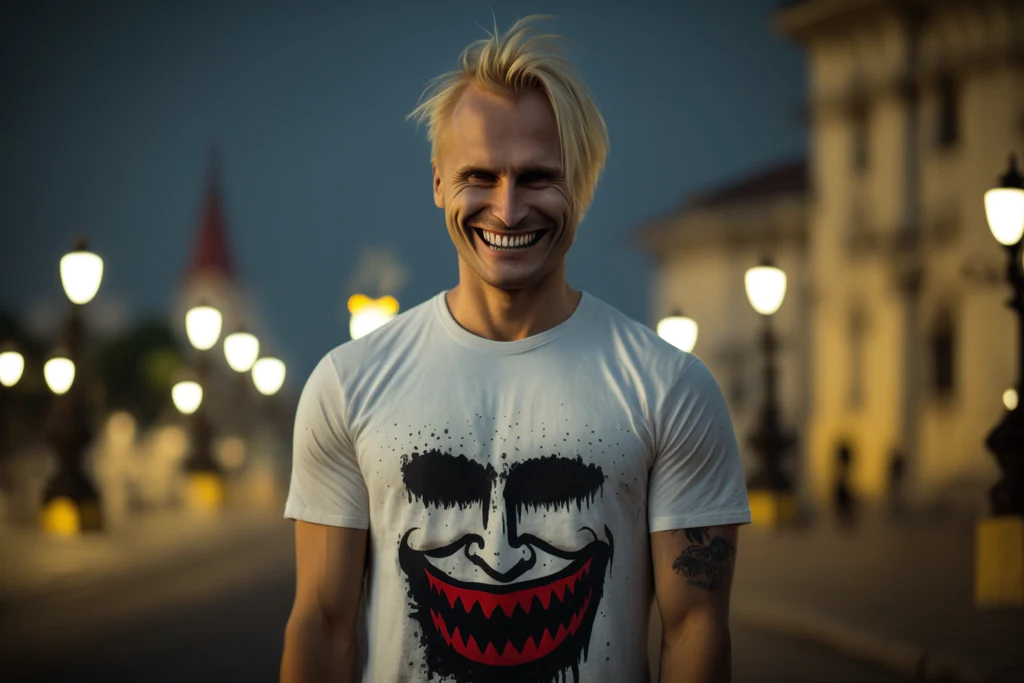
pixel 501 315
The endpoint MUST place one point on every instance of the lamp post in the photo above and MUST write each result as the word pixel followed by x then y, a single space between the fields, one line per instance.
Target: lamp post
pixel 71 503
pixel 1004 208
pixel 770 491
pixel 12 366
pixel 241 349
pixel 679 331
pixel 999 569
pixel 205 479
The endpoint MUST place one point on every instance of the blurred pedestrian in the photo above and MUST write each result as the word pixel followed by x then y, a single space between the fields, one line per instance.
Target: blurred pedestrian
pixel 845 505
pixel 897 470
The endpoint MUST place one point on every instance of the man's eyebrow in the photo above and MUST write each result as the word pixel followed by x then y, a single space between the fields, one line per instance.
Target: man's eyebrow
pixel 536 170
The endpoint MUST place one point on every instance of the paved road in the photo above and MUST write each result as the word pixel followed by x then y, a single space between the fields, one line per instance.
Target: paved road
pixel 222 621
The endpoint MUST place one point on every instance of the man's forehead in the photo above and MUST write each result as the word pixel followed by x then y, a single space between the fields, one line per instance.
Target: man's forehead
pixel 488 128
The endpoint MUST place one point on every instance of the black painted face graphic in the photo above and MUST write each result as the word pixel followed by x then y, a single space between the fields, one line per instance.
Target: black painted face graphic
pixel 510 628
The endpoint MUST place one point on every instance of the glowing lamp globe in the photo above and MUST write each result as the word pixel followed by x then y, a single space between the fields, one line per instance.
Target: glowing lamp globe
pixel 187 396
pixel 679 331
pixel 241 350
pixel 766 287
pixel 59 373
pixel 202 325
pixel 268 375
pixel 12 365
pixel 1004 207
pixel 1010 399
pixel 369 314
pixel 81 272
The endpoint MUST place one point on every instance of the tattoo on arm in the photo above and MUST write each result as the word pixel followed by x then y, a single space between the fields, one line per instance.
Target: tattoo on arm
pixel 707 561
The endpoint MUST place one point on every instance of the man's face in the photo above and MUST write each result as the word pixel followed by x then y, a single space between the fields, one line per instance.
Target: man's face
pixel 499 179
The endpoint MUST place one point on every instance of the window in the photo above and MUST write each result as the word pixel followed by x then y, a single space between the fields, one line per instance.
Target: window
pixel 948 120
pixel 858 326
pixel 943 355
pixel 859 129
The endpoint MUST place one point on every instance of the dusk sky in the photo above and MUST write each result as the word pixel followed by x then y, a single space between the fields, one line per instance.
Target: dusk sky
pixel 109 115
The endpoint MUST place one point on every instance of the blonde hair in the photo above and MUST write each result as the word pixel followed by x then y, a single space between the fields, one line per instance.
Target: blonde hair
pixel 515 63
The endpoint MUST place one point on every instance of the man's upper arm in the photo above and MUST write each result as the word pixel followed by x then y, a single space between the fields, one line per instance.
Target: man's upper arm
pixel 329 564
pixel 693 571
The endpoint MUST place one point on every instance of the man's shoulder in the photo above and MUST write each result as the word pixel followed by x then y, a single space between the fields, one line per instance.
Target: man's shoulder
pixel 382 346
pixel 637 342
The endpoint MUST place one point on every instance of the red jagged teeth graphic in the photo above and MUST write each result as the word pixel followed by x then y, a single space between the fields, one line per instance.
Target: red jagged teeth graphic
pixel 530 651
pixel 473 650
pixel 507 601
pixel 544 593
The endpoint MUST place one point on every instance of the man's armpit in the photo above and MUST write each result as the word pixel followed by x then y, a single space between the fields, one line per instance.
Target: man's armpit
pixel 707 560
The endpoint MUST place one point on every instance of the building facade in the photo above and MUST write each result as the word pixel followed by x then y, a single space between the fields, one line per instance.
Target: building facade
pixel 913 109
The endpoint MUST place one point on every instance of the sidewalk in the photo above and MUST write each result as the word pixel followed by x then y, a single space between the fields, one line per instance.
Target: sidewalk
pixel 898 594
pixel 36 567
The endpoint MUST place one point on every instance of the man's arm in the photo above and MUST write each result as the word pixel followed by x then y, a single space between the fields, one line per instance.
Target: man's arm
pixel 693 571
pixel 320 638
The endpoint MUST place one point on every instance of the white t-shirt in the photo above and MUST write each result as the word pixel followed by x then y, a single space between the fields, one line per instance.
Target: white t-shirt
pixel 509 489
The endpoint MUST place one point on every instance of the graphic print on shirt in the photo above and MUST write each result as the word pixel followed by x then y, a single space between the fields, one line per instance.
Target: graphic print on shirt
pixel 525 624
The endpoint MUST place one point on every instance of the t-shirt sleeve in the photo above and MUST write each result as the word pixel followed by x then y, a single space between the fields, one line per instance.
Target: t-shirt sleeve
pixel 697 477
pixel 327 486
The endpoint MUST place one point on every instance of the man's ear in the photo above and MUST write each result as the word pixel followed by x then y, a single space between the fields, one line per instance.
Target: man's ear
pixel 438 193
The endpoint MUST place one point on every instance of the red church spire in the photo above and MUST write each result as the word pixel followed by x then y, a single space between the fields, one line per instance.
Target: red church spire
pixel 210 256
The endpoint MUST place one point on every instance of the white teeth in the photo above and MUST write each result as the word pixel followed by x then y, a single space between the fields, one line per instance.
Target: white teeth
pixel 506 242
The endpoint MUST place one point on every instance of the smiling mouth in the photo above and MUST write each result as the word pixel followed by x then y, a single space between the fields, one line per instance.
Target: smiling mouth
pixel 516 242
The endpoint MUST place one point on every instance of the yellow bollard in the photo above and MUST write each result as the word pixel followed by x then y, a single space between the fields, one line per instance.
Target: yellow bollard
pixel 61 517
pixel 205 492
pixel 999 561
pixel 771 509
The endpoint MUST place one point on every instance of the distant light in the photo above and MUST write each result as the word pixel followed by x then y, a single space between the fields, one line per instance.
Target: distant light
pixel 1010 399
pixel 231 453
pixel 679 331
pixel 12 365
pixel 202 325
pixel 766 288
pixel 268 375
pixel 60 374
pixel 187 396
pixel 241 350
pixel 81 273
pixel 370 314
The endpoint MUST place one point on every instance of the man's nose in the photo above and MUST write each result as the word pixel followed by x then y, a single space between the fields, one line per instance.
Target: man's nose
pixel 496 552
pixel 507 206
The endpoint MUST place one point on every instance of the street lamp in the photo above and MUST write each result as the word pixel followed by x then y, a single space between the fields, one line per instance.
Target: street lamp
pixel 241 349
pixel 1004 208
pixel 770 491
pixel 268 375
pixel 12 365
pixel 205 479
pixel 71 503
pixel 999 545
pixel 679 331
pixel 187 396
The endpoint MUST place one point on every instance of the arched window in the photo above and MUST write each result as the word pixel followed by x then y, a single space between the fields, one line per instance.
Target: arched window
pixel 943 354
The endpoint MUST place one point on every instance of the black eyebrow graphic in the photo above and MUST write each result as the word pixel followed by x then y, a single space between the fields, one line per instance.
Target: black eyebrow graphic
pixel 552 482
pixel 444 480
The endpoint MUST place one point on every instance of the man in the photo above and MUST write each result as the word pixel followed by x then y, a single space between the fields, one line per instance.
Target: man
pixel 512 464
